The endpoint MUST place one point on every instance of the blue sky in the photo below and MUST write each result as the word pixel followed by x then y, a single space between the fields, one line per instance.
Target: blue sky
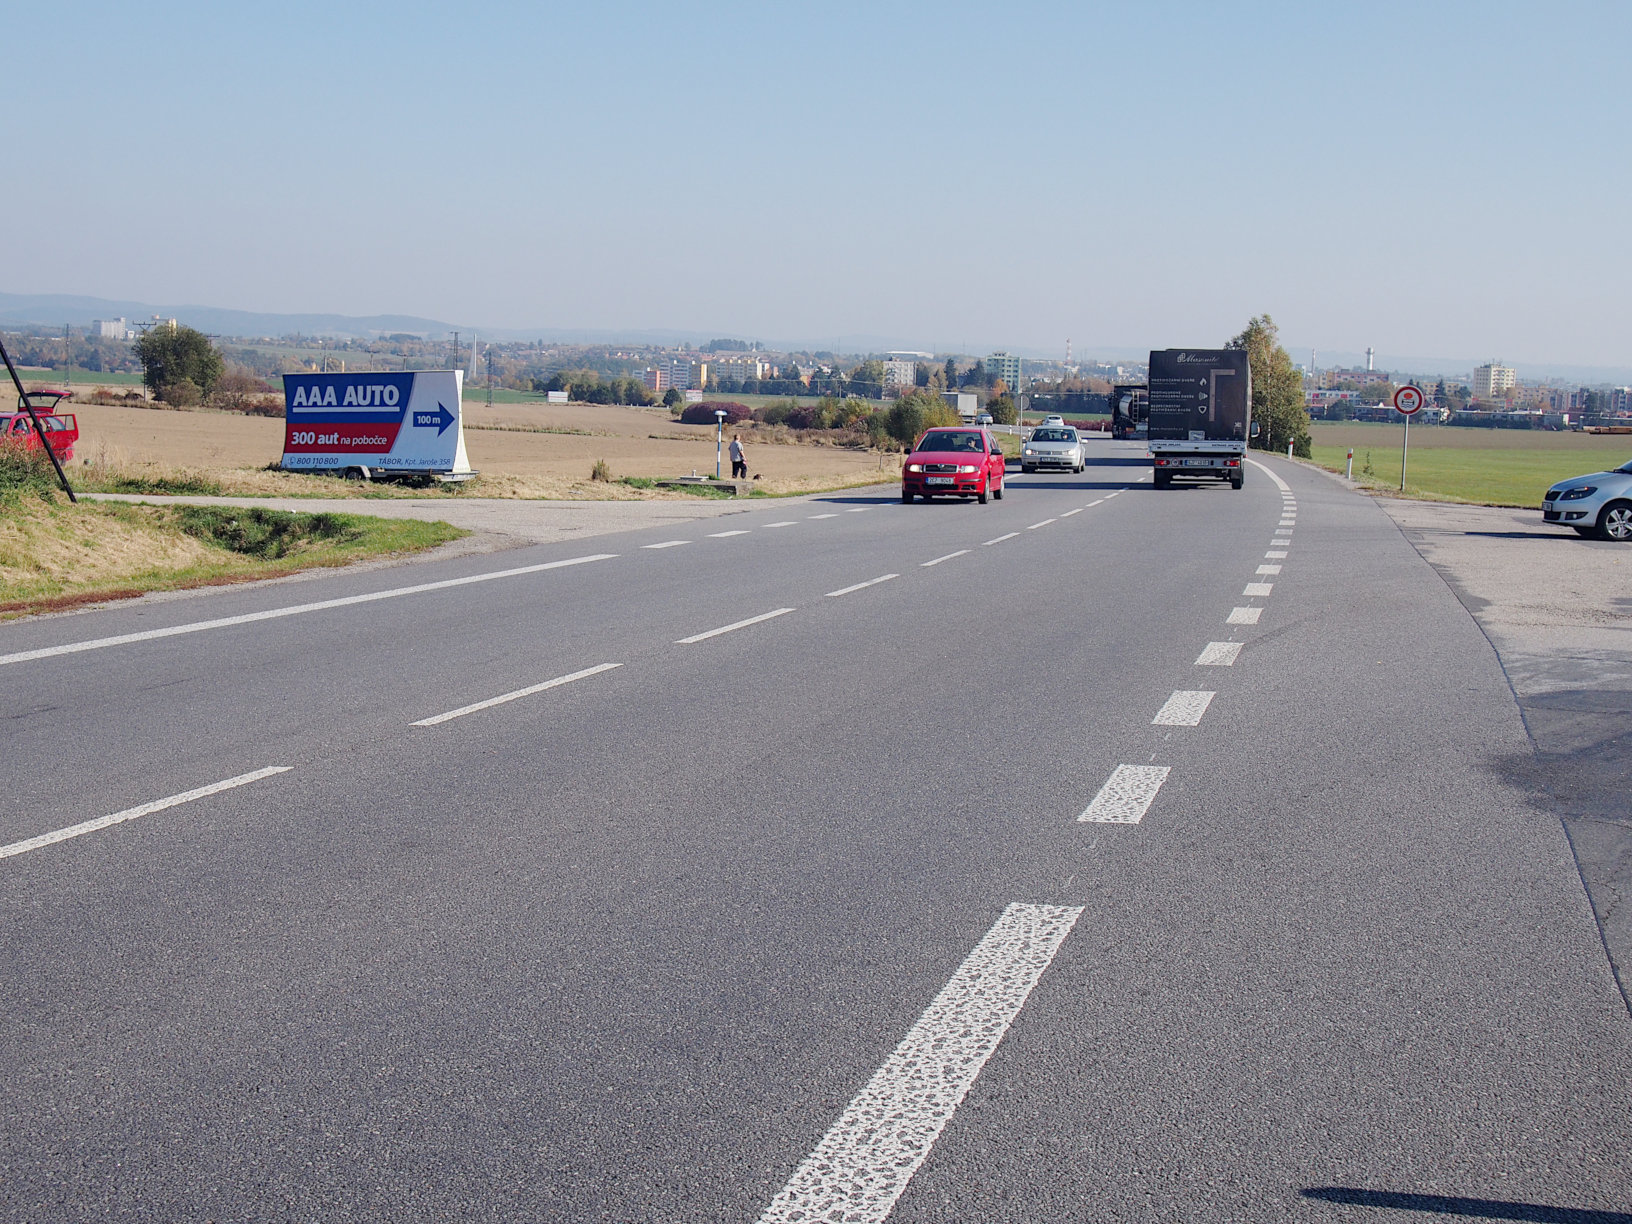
pixel 1432 179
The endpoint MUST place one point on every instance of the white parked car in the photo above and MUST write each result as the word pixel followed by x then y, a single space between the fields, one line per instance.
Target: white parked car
pixel 1056 447
pixel 1599 504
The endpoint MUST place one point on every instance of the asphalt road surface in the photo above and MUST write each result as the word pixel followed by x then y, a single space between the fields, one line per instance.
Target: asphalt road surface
pixel 1098 854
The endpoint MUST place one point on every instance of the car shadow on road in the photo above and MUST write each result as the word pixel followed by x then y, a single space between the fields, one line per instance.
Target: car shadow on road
pixel 1456 1205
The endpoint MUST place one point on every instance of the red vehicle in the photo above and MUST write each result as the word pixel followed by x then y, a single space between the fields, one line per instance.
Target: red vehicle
pixel 61 427
pixel 952 462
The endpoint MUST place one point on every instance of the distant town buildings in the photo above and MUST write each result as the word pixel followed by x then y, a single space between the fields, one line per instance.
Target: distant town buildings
pixel 902 375
pixel 1005 367
pixel 112 329
pixel 1490 381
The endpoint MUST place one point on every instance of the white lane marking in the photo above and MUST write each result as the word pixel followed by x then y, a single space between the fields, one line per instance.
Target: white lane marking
pixel 1126 795
pixel 1044 523
pixel 145 809
pixel 864 1162
pixel 23 656
pixel 1269 569
pixel 1108 496
pixel 1258 589
pixel 822 516
pixel 721 535
pixel 1001 538
pixel 734 625
pixel 1243 616
pixel 858 509
pixel 667 544
pixel 1069 513
pixel 784 523
pixel 1287 523
pixel 515 696
pixel 1092 504
pixel 1275 555
pixel 1183 709
pixel 1279 483
pixel 948 557
pixel 1219 654
pixel 861 585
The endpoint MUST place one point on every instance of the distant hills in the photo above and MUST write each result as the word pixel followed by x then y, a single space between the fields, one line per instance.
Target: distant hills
pixel 54 310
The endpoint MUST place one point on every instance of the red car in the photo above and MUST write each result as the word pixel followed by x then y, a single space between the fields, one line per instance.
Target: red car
pixel 61 427
pixel 953 462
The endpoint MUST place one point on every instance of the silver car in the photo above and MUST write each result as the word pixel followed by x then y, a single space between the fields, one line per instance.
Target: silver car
pixel 1054 447
pixel 1599 504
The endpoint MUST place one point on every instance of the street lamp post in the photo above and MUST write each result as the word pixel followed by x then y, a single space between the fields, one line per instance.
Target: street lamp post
pixel 719 439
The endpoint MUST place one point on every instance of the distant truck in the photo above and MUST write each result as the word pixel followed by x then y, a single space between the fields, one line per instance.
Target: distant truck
pixel 1130 405
pixel 1200 414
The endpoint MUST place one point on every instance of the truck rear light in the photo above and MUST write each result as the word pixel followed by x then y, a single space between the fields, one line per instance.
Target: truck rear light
pixel 1234 463
pixel 1161 462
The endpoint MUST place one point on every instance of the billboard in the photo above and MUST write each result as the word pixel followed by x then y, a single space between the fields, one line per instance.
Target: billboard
pixel 1200 395
pixel 409 422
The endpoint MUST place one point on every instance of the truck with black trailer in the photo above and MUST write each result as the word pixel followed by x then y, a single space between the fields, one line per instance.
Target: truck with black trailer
pixel 1200 414
pixel 1130 404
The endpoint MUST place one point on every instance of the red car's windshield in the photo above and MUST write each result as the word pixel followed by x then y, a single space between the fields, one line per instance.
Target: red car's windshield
pixel 952 440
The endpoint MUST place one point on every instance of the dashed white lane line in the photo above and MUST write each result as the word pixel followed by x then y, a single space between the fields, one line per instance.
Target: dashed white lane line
pixel 667 544
pixel 783 523
pixel 948 557
pixel 1287 522
pixel 721 535
pixel 857 509
pixel 1000 539
pixel 1069 513
pixel 1108 496
pixel 1219 654
pixel 863 1164
pixel 861 585
pixel 23 656
pixel 1126 795
pixel 1183 709
pixel 145 809
pixel 1274 555
pixel 1269 569
pixel 1092 504
pixel 733 626
pixel 515 696
pixel 1256 590
pixel 822 516
pixel 1243 616
pixel 1044 523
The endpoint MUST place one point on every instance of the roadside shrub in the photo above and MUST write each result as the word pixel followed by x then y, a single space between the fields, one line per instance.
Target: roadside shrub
pixel 107 395
pixel 184 484
pixel 24 470
pixel 600 471
pixel 777 414
pixel 183 393
pixel 917 411
pixel 256 532
pixel 703 413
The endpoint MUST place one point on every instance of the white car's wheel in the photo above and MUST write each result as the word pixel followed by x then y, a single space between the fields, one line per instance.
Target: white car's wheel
pixel 1615 523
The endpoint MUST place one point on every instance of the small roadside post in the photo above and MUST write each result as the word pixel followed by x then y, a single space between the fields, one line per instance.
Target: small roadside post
pixel 719 439
pixel 1348 468
pixel 1408 401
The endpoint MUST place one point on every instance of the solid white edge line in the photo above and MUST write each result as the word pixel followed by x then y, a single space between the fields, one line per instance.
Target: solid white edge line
pixel 1001 538
pixel 860 585
pixel 515 696
pixel 1219 654
pixel 948 557
pixel 1184 708
pixel 863 1164
pixel 1279 483
pixel 742 624
pixel 144 809
pixel 23 656
pixel 1126 795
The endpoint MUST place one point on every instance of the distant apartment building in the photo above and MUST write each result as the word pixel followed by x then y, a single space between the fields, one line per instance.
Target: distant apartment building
pixel 1490 381
pixel 657 379
pixel 738 369
pixel 900 374
pixel 1003 366
pixel 1361 378
pixel 111 329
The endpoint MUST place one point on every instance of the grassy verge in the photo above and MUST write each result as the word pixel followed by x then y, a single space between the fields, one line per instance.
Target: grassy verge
pixel 54 555
pixel 1485 467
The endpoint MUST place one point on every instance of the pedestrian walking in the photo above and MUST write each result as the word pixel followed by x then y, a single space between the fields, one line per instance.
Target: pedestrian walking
pixel 739 460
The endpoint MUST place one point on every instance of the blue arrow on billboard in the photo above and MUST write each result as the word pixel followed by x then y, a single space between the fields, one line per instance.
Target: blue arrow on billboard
pixel 439 420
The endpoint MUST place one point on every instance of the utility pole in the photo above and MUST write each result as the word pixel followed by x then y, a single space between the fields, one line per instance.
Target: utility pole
pixel 455 364
pixel 490 376
pixel 67 361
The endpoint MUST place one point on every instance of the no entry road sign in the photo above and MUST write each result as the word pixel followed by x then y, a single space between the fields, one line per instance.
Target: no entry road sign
pixel 1408 399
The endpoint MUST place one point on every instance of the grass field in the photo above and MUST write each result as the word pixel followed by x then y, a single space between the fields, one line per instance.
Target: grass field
pixel 1493 467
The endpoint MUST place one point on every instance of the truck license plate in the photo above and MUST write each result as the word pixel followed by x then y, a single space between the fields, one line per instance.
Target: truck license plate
pixel 938 480
pixel 1198 463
